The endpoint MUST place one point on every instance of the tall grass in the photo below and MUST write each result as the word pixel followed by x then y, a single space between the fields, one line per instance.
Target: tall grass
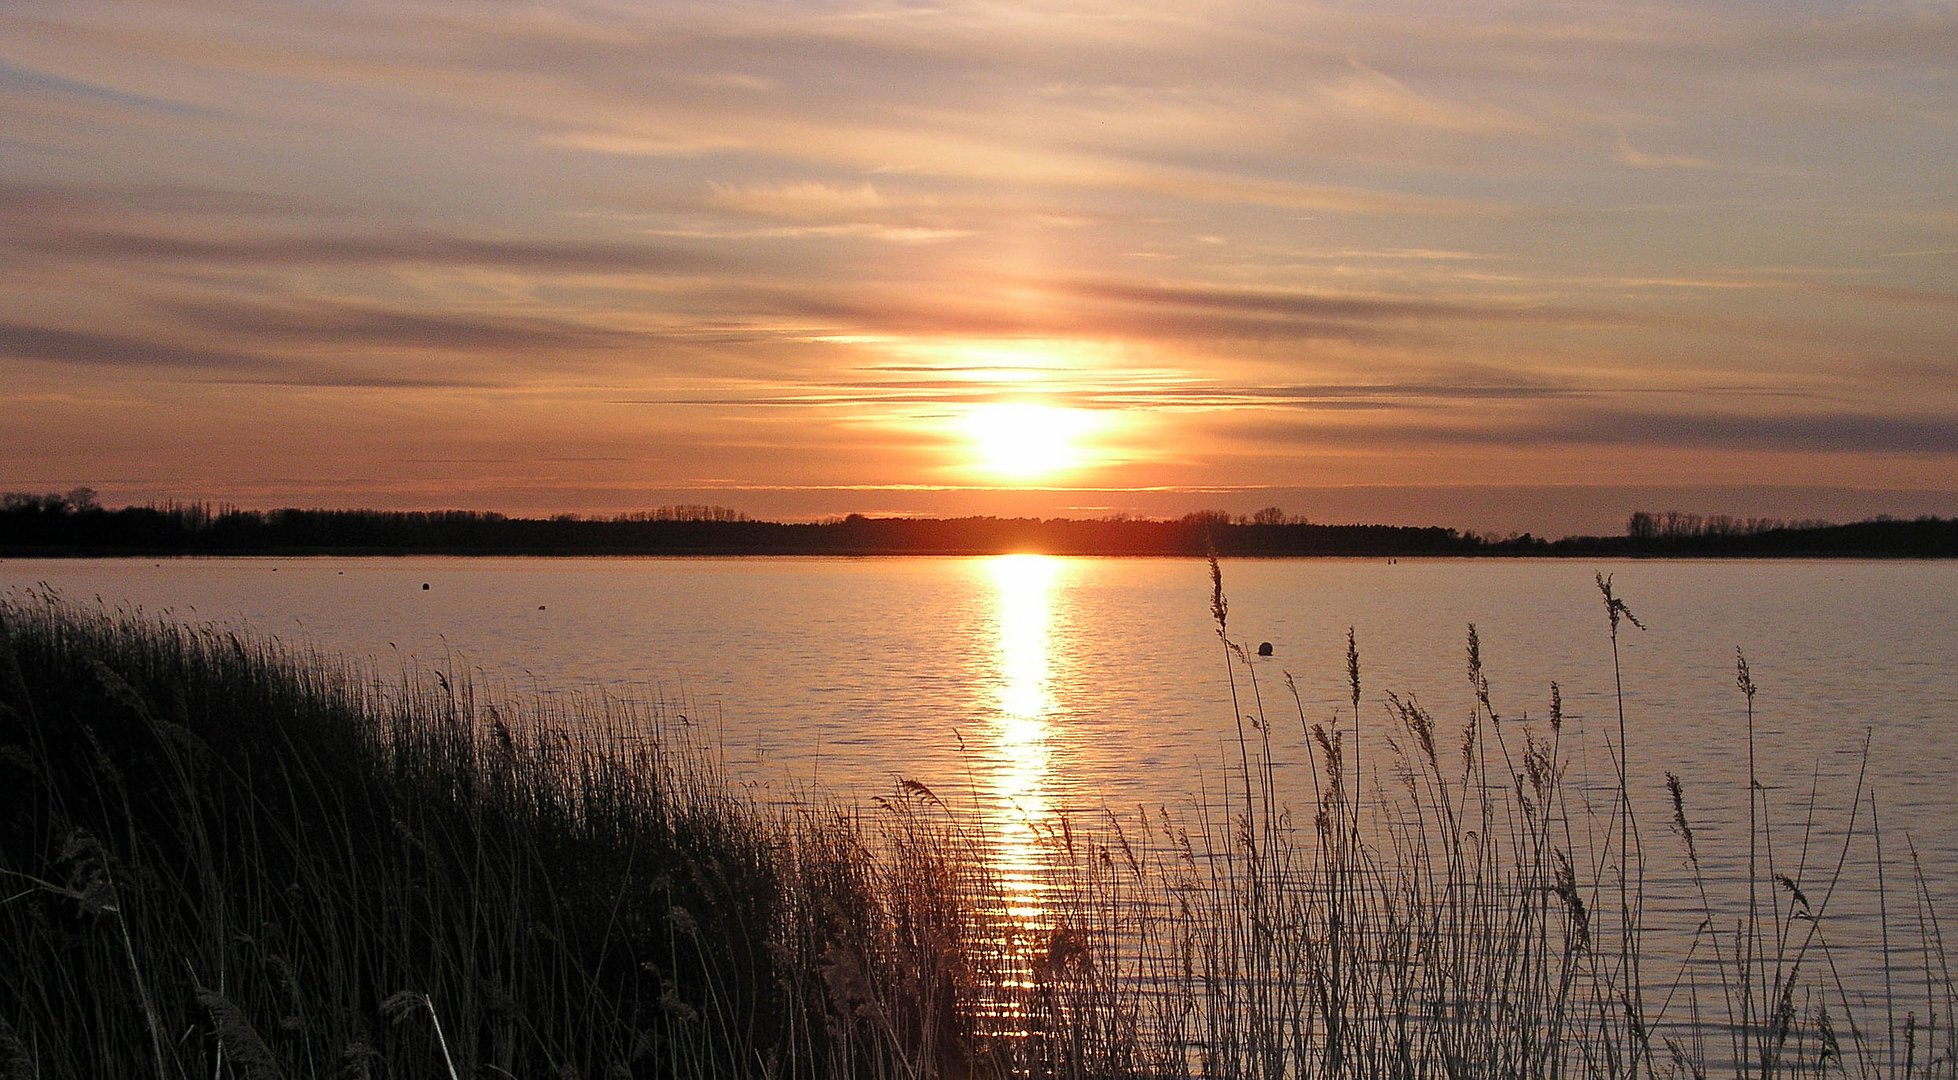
pixel 220 858
pixel 1477 905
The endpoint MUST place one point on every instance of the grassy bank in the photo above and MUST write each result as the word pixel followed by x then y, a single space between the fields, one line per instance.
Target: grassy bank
pixel 220 858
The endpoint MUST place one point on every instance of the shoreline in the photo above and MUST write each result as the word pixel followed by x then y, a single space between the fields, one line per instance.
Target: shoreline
pixel 58 530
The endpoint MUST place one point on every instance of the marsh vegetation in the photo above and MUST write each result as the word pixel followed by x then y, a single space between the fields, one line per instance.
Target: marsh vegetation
pixel 219 857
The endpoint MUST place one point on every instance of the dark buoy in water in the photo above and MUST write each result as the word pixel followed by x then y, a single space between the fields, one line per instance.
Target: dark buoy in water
pixel 1264 649
pixel 424 586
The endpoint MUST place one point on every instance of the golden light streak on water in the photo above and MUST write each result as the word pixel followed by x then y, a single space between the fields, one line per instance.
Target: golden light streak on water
pixel 1024 587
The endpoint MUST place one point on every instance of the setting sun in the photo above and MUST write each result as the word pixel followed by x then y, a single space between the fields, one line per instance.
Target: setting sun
pixel 1026 442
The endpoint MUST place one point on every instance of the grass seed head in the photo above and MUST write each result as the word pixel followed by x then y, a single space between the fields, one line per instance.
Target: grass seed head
pixel 1679 823
pixel 1566 889
pixel 1614 607
pixel 241 1042
pixel 1219 606
pixel 1743 677
pixel 1353 667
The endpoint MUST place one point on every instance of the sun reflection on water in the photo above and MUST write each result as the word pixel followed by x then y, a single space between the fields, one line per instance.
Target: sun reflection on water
pixel 1024 587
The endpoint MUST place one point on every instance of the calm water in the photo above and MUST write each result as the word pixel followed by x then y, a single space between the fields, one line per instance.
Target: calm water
pixel 1028 684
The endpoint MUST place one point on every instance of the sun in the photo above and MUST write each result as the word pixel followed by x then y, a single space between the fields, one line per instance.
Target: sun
pixel 1018 442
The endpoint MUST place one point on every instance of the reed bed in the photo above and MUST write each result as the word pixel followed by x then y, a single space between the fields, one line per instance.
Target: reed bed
pixel 222 858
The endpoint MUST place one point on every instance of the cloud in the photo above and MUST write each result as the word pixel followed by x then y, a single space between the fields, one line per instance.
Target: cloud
pixel 218 228
pixel 802 201
pixel 1147 313
pixel 152 356
pixel 1892 294
pixel 1639 159
pixel 1840 432
pixel 1375 95
pixel 1835 432
pixel 375 249
pixel 817 210
pixel 893 234
pixel 641 144
pixel 46 207
pixel 30 342
pixel 1130 391
pixel 1290 304
pixel 337 324
pixel 1011 314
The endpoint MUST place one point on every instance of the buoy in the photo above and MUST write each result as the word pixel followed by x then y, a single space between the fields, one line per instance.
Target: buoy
pixel 424 586
pixel 1264 649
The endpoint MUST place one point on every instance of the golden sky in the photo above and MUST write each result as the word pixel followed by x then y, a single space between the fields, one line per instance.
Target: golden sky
pixel 1495 265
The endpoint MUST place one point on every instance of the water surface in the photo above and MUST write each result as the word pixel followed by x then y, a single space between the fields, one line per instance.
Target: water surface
pixel 1022 685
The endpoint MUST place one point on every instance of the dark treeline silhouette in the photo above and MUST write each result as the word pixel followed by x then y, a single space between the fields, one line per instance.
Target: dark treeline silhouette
pixel 76 523
pixel 1678 534
pixel 1678 524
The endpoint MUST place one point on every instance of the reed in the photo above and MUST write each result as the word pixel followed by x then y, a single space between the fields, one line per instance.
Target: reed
pixel 1477 906
pixel 219 857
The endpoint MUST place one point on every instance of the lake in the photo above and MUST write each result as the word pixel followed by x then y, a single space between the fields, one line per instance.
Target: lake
pixel 1023 685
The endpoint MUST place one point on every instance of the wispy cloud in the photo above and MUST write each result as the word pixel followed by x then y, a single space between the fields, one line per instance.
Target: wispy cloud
pixel 1378 96
pixel 29 342
pixel 147 357
pixel 1639 159
pixel 319 323
pixel 1599 425
pixel 806 200
pixel 318 249
pixel 1294 304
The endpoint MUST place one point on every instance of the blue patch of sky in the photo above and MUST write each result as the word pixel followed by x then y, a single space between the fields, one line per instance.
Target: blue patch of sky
pixel 15 79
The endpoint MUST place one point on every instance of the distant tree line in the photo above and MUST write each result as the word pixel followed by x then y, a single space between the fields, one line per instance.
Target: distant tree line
pixel 77 523
pixel 1676 533
pixel 685 512
pixel 1677 525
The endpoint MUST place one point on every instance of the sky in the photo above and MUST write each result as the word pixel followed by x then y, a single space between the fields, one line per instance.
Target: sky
pixel 1506 266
